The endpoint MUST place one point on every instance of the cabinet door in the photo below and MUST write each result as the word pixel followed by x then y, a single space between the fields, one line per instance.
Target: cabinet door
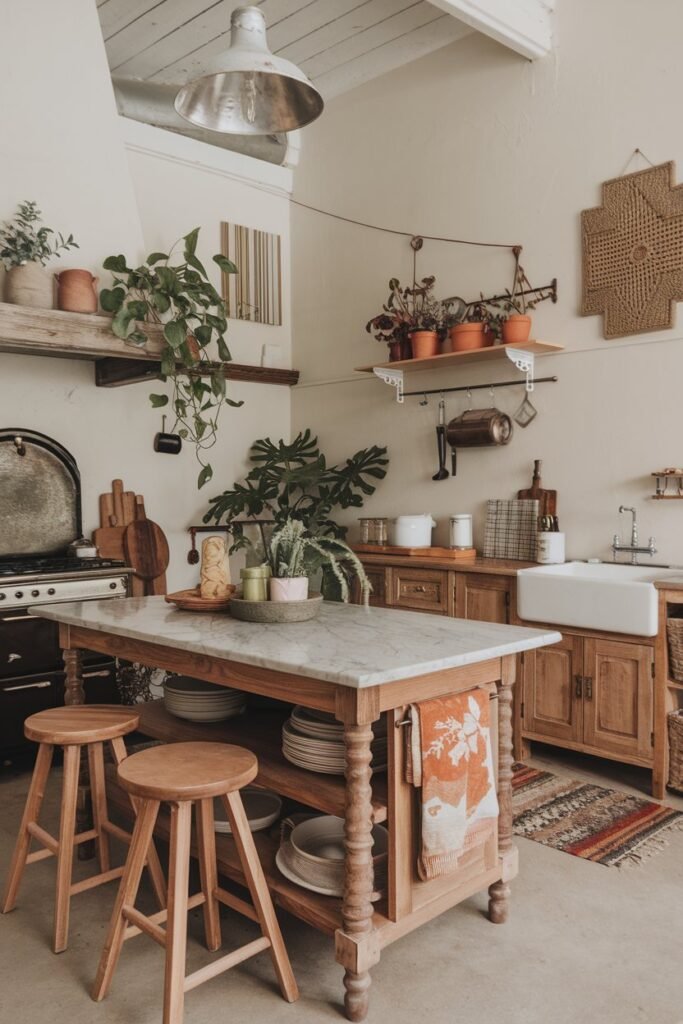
pixel 377 576
pixel 553 691
pixel 617 695
pixel 481 597
pixel 422 590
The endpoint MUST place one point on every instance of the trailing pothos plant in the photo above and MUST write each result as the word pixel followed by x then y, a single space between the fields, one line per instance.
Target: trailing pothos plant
pixel 294 482
pixel 179 296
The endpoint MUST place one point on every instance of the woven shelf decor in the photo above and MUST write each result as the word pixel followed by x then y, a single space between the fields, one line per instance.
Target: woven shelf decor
pixel 633 253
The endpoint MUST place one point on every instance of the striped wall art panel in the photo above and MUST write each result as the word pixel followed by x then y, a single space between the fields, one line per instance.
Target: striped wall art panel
pixel 255 292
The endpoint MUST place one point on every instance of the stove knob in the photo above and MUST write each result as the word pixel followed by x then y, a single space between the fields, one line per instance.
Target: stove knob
pixel 19 594
pixel 2 596
pixel 112 586
pixel 35 593
pixel 51 591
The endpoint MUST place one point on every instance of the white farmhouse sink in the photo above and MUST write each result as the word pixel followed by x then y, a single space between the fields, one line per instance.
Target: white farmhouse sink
pixel 605 595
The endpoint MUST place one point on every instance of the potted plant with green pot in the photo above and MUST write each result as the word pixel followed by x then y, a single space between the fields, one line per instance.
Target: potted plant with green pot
pixel 295 554
pixel 26 245
pixel 177 295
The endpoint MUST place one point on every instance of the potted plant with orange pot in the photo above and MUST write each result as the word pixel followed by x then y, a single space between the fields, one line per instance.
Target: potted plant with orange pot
pixel 516 326
pixel 411 321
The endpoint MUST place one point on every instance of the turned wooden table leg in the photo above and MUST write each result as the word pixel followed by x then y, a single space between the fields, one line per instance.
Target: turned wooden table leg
pixel 75 694
pixel 499 892
pixel 356 945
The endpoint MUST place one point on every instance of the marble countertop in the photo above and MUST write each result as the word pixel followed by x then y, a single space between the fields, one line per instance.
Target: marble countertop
pixel 347 644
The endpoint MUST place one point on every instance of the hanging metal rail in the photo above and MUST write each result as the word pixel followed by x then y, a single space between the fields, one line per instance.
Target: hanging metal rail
pixel 479 387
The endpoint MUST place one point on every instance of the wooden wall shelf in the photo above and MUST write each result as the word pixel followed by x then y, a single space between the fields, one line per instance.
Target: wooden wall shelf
pixel 452 359
pixel 51 332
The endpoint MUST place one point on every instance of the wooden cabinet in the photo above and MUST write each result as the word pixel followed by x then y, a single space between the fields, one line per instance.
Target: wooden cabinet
pixel 378 582
pixel 420 590
pixel 482 597
pixel 591 694
pixel 617 698
pixel 553 701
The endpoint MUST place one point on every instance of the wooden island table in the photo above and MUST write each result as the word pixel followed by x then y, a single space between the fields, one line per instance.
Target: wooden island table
pixel 359 664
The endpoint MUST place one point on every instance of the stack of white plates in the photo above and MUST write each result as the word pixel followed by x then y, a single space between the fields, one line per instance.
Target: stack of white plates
pixel 315 740
pixel 198 701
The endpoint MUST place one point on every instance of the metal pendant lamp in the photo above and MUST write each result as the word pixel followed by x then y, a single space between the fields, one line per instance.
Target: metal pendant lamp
pixel 253 92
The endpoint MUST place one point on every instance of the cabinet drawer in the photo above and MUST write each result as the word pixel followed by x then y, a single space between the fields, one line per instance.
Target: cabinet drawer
pixel 27 644
pixel 378 582
pixel 424 590
pixel 22 696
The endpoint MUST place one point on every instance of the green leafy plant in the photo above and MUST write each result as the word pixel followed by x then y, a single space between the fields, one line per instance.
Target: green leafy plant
pixel 22 241
pixel 408 309
pixel 179 296
pixel 293 551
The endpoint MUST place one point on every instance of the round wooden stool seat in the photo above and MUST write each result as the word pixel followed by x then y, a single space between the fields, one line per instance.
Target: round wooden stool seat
pixel 82 724
pixel 187 771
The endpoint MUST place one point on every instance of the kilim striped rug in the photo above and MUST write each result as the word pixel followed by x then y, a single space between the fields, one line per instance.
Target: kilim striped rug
pixel 589 821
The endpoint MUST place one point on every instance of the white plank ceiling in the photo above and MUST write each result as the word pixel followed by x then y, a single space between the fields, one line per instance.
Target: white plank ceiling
pixel 338 43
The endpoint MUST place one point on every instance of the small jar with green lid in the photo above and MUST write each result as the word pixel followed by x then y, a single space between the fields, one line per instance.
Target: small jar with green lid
pixel 255 582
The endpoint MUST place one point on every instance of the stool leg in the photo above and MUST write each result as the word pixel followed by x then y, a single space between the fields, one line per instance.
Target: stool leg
pixel 65 853
pixel 206 841
pixel 260 894
pixel 31 811
pixel 176 926
pixel 128 889
pixel 156 873
pixel 99 803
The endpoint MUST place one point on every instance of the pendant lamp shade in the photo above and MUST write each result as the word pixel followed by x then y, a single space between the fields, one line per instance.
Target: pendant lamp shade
pixel 253 92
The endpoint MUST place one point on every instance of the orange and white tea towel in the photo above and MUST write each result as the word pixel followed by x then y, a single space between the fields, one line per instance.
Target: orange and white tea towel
pixel 450 759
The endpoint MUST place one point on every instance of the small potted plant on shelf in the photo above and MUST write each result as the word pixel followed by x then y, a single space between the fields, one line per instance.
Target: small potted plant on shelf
pixel 476 329
pixel 294 555
pixel 25 248
pixel 411 321
pixel 516 326
pixel 179 297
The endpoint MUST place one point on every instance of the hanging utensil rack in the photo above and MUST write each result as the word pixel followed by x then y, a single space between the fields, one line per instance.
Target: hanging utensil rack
pixel 479 387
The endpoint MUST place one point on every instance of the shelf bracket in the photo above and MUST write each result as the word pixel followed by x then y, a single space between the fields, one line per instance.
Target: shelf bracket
pixel 392 377
pixel 524 362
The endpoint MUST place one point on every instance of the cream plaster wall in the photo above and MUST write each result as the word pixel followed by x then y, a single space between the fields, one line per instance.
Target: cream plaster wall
pixel 474 142
pixel 122 187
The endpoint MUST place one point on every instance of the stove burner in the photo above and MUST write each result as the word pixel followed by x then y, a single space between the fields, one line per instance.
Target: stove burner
pixel 56 564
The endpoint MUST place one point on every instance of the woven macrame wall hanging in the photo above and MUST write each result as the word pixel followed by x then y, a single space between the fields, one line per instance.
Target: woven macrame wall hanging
pixel 633 253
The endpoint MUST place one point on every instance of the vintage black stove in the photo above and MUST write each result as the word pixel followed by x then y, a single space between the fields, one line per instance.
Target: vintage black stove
pixel 40 516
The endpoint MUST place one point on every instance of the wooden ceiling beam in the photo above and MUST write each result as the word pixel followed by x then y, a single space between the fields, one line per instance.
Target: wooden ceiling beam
pixel 524 26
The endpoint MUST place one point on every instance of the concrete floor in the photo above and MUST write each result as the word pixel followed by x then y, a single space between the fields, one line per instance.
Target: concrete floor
pixel 584 942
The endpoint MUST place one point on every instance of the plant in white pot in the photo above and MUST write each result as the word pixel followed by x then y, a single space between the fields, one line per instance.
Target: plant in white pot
pixel 294 555
pixel 25 247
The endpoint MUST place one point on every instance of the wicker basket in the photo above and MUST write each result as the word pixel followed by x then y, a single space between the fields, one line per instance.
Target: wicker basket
pixel 675 719
pixel 674 631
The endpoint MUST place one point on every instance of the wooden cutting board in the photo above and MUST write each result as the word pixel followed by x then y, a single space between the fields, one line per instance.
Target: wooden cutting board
pixel 547 500
pixel 146 550
pixel 109 536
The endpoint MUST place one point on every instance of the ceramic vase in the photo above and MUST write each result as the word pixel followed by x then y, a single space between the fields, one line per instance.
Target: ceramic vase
pixel 291 588
pixel 29 285
pixel 76 291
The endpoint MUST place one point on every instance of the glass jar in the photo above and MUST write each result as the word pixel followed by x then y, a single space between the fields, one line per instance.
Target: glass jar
pixel 255 582
pixel 373 530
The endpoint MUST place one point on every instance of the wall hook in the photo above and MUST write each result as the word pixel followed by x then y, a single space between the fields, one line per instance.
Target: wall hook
pixel 424 400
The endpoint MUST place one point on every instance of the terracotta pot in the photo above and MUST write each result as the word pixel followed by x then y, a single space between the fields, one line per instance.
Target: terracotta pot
pixel 76 291
pixel 395 351
pixel 292 588
pixel 489 337
pixel 29 285
pixel 424 344
pixel 516 328
pixel 465 337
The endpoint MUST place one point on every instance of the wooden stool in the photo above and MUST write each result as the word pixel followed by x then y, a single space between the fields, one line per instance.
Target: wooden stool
pixel 74 728
pixel 181 774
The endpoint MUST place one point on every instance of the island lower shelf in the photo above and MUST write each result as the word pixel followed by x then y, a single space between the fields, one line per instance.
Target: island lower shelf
pixel 261 732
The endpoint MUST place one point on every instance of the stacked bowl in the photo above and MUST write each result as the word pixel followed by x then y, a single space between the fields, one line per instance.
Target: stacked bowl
pixel 198 701
pixel 311 854
pixel 315 740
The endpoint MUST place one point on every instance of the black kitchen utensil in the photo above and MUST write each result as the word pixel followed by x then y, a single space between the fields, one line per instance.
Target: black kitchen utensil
pixel 167 444
pixel 442 472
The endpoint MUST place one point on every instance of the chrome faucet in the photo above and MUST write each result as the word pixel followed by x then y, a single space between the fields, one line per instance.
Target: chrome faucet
pixel 633 546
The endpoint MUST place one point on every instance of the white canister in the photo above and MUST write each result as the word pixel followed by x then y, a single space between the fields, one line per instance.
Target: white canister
pixel 550 548
pixel 412 531
pixel 461 530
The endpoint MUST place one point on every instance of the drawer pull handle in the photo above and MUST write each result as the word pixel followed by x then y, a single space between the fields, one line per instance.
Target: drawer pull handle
pixel 420 589
pixel 29 686
pixel 579 685
pixel 91 675
pixel 589 687
pixel 18 618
